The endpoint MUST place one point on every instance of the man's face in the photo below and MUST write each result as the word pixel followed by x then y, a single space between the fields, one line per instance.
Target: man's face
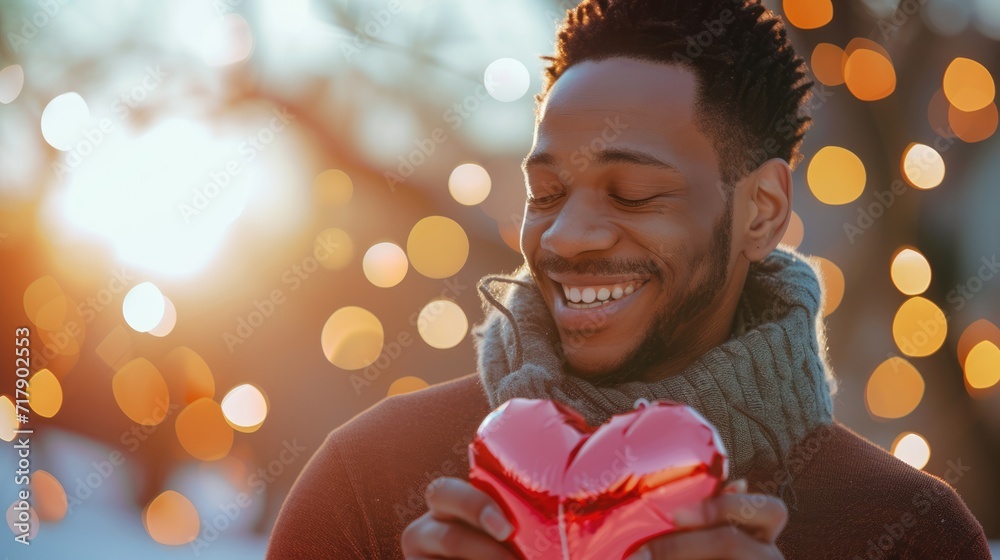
pixel 627 228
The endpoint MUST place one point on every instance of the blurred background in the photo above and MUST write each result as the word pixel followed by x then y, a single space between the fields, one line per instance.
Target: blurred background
pixel 230 226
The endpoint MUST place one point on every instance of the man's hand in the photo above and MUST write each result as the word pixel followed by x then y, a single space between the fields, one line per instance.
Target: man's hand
pixel 722 528
pixel 462 523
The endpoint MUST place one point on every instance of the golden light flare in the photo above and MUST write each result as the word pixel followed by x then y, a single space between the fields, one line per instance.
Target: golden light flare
pixel 333 248
pixel 975 126
pixel 50 499
pixel 836 175
pixel 45 395
pixel 919 328
pixel 912 449
pixel 405 385
pixel 833 284
pixel 469 184
pixel 245 408
pixel 975 333
pixel 203 431
pixel 333 187
pixel 910 272
pixel 385 264
pixel 868 71
pixel 922 166
pixel 171 519
pixel 808 14
pixel 827 64
pixel 894 389
pixel 45 304
pixel 141 392
pixel 352 338
pixel 968 85
pixel 442 324
pixel 982 365
pixel 796 231
pixel 8 418
pixel 187 375
pixel 438 247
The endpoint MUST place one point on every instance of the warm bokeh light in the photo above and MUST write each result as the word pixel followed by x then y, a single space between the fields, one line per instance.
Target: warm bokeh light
pixel 912 449
pixel 910 272
pixel 833 284
pixel 333 248
pixel 49 496
pixel 975 126
pixel 894 389
pixel 469 184
pixel 869 74
pixel 352 338
pixel 808 14
pixel 405 385
pixel 11 82
pixel 144 307
pixel 919 327
pixel 168 321
pixel 64 119
pixel 975 333
pixel 828 64
pixel 202 430
pixel 8 418
pixel 333 187
pixel 836 175
pixel 171 519
pixel 245 407
pixel 968 85
pixel 385 264
pixel 442 324
pixel 795 232
pixel 187 375
pixel 45 304
pixel 506 79
pixel 982 365
pixel 141 392
pixel 922 166
pixel 437 247
pixel 45 394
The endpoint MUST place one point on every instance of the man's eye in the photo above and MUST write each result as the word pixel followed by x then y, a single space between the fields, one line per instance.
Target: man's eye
pixel 544 200
pixel 632 203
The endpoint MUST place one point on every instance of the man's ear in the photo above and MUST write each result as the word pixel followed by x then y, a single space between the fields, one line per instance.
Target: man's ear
pixel 769 198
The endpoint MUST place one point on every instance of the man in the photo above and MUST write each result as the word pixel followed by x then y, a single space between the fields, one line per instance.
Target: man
pixel 658 188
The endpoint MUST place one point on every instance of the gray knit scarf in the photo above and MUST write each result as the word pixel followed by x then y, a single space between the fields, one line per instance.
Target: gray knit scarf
pixel 764 389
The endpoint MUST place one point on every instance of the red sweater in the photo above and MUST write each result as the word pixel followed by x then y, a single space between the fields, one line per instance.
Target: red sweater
pixel 849 499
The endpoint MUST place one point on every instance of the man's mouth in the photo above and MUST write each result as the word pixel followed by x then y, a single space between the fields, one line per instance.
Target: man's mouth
pixel 589 296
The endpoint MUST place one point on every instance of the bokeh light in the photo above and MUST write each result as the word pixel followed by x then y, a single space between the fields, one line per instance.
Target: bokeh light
pixel 982 365
pixel 469 184
pixel 836 175
pixel 45 395
pixel 975 333
pixel 144 307
pixel 869 74
pixel 968 85
pixel 833 284
pixel 352 338
pixel 168 321
pixel 13 517
pixel 922 166
pixel 333 187
pixel 64 119
pixel 437 247
pixel 975 126
pixel 405 385
pixel 506 79
pixel 245 408
pixel 894 389
pixel 442 324
pixel 919 328
pixel 795 232
pixel 187 375
pixel 8 418
pixel 11 82
pixel 50 499
pixel 202 430
pixel 141 392
pixel 912 449
pixel 808 14
pixel 171 519
pixel 910 272
pixel 45 304
pixel 385 264
pixel 827 64
pixel 333 248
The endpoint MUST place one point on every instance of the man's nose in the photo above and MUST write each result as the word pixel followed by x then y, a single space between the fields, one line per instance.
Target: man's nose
pixel 582 225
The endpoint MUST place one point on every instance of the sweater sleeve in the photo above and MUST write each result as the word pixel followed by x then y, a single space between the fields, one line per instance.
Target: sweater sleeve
pixel 322 516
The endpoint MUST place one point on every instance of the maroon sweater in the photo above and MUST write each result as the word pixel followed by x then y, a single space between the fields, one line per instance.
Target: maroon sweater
pixel 847 498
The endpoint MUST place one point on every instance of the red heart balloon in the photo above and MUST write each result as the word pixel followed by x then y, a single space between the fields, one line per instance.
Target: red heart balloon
pixel 574 492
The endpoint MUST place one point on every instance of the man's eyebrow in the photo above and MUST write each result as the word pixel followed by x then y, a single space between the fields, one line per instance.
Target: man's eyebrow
pixel 540 158
pixel 605 157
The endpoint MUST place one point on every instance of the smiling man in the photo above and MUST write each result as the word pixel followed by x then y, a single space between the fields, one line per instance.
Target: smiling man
pixel 658 188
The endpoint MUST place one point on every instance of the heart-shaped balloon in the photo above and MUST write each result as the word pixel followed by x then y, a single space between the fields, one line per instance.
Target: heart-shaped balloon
pixel 574 492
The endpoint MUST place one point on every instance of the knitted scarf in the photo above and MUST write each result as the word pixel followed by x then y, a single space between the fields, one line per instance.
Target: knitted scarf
pixel 763 389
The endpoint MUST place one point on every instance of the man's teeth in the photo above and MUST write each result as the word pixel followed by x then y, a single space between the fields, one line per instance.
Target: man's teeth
pixel 598 295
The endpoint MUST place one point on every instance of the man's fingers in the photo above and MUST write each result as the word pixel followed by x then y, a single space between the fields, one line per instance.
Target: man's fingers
pixel 428 537
pixel 453 498
pixel 719 542
pixel 761 516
